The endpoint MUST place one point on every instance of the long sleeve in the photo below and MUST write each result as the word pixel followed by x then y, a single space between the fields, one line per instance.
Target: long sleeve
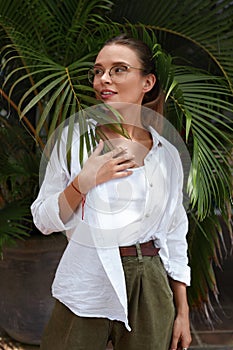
pixel 45 209
pixel 178 268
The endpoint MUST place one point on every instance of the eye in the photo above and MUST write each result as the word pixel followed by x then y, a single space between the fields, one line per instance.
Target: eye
pixel 119 69
pixel 98 72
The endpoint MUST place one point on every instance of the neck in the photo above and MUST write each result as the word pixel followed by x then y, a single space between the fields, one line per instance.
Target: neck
pixel 131 115
pixel 135 132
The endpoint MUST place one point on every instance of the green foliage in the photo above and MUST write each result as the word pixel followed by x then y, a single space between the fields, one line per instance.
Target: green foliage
pixel 18 181
pixel 206 239
pixel 191 30
pixel 13 223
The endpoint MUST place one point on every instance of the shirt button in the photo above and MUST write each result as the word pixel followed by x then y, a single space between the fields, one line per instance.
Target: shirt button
pixel 151 185
pixel 147 215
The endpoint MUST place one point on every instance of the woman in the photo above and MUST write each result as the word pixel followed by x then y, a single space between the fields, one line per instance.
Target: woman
pixel 124 273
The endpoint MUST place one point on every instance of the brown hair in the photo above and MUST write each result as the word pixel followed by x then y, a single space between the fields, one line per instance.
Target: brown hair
pixel 148 64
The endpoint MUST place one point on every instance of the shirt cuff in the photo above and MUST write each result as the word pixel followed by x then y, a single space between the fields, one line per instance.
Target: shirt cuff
pixel 179 273
pixel 47 219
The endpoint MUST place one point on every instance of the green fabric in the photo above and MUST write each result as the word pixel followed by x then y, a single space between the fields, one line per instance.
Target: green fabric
pixel 151 315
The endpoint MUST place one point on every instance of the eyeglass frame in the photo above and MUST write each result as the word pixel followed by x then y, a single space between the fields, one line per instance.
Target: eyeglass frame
pixel 109 71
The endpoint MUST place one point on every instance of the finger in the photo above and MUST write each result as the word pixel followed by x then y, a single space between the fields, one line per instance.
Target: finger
pixel 115 152
pixel 124 158
pixel 125 165
pixel 185 342
pixel 118 151
pixel 99 148
pixel 120 174
pixel 174 343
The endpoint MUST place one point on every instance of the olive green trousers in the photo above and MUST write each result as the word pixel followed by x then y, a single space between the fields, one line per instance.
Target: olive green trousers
pixel 151 315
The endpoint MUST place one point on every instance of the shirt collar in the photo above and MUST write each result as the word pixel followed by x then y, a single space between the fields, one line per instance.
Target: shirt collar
pixel 157 139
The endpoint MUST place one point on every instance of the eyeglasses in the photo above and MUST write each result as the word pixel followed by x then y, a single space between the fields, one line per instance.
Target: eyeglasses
pixel 117 73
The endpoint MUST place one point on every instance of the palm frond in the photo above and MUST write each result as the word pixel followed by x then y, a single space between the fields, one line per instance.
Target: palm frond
pixel 11 224
pixel 50 24
pixel 203 26
pixel 206 238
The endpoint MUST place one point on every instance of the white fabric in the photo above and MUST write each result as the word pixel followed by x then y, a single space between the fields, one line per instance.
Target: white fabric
pixel 147 205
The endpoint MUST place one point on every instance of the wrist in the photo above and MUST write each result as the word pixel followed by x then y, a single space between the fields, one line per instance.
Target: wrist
pixel 75 186
pixel 182 311
pixel 78 186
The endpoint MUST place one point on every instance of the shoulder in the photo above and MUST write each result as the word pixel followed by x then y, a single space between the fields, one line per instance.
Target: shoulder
pixel 70 131
pixel 66 139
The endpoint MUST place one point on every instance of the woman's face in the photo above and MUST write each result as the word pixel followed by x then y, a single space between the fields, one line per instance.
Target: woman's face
pixel 129 87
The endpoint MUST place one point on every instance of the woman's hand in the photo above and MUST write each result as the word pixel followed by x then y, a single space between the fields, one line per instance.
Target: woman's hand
pixel 102 168
pixel 181 337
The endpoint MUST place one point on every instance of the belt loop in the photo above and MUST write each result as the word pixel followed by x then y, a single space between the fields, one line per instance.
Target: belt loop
pixel 139 252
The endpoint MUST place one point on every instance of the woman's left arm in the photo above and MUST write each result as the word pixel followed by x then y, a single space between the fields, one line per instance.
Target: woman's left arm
pixel 181 337
pixel 179 270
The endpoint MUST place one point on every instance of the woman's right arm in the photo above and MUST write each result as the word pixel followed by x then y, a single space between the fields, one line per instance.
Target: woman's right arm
pixel 58 199
pixel 45 209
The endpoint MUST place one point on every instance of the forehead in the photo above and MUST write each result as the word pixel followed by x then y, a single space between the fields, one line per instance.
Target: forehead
pixel 111 54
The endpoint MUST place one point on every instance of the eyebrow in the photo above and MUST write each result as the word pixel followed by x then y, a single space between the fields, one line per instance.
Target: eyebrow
pixel 113 65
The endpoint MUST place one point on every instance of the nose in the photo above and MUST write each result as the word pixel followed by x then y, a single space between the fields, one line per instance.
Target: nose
pixel 106 78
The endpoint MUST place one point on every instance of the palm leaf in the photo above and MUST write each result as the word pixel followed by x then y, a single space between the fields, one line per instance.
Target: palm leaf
pixel 11 224
pixel 206 26
pixel 206 237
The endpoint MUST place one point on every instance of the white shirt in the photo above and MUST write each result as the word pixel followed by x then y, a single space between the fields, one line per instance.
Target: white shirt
pixel 120 207
pixel 90 278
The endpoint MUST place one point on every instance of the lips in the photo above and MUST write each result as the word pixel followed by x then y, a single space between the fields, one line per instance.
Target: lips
pixel 107 93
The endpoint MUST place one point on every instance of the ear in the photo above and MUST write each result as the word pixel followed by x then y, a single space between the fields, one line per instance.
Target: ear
pixel 149 82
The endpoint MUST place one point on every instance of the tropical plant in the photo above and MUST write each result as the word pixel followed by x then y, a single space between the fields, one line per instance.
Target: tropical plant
pixel 18 181
pixel 45 59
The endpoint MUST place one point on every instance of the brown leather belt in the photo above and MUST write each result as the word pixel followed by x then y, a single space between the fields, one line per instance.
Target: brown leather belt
pixel 147 249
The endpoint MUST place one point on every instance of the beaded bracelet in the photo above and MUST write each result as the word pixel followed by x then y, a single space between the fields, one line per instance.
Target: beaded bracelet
pixel 83 197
